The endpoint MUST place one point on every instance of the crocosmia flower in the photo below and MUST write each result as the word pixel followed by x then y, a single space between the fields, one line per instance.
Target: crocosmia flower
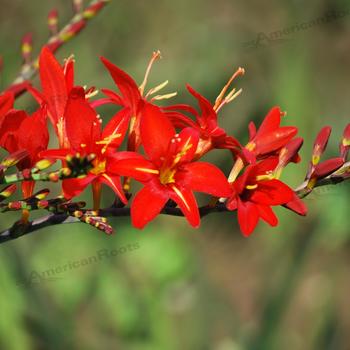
pixel 20 131
pixel 83 130
pixel 206 122
pixel 57 82
pixel 168 171
pixel 270 137
pixel 255 192
pixel 132 96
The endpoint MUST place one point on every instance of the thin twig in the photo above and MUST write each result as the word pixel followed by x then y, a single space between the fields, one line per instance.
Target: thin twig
pixel 57 219
pixel 69 31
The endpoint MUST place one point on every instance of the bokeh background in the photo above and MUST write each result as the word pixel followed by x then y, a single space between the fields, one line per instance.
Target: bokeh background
pixel 168 286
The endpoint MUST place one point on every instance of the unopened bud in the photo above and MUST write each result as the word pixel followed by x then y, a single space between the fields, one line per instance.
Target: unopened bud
pixel 327 167
pixel 52 21
pixel 345 143
pixel 320 144
pixel 27 47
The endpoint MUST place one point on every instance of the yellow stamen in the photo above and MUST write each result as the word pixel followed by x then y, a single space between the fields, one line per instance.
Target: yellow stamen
pixel 346 142
pixel 265 177
pixel 164 97
pixel 220 98
pixel 91 94
pixel 250 146
pixel 251 187
pixel 315 159
pixel 178 192
pixel 148 171
pixel 237 167
pixel 107 141
pixel 155 56
pixel 157 88
pixel 99 167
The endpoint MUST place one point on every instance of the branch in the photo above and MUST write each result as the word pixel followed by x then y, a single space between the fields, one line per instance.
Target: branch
pixel 339 176
pixel 76 214
pixel 57 219
pixel 69 31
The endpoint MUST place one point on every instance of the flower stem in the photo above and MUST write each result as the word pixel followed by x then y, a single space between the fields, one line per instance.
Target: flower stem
pixel 96 195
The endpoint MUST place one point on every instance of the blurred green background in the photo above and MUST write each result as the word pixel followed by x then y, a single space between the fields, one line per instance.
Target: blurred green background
pixel 168 286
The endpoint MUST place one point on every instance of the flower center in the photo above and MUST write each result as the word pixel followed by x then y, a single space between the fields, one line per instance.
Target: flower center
pixel 167 176
pixel 99 167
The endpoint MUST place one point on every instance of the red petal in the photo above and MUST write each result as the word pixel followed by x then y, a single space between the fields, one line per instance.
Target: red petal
pixel 53 84
pixel 55 154
pixel 140 169
pixel 38 96
pixel 345 143
pixel 180 120
pixel 297 205
pixel 147 204
pixel 252 130
pixel 248 217
pixel 116 128
pixel 73 187
pixel 274 140
pixel 267 214
pixel 187 203
pixel 6 103
pixel 290 152
pixel 248 176
pixel 33 135
pixel 208 113
pixel 321 141
pixel 265 166
pixel 232 203
pixel 204 177
pixel 271 122
pixel 115 184
pixel 9 130
pixel 113 96
pixel 185 145
pixel 68 70
pixel 272 192
pixel 328 167
pixel 156 132
pixel 125 83
pixel 180 107
pixel 82 125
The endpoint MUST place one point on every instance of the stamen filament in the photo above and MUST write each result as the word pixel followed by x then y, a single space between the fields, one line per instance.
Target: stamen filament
pixel 147 170
pixel 157 88
pixel 164 97
pixel 218 101
pixel 155 56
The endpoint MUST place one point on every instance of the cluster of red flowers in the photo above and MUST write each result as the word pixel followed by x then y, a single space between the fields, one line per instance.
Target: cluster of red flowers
pixel 164 146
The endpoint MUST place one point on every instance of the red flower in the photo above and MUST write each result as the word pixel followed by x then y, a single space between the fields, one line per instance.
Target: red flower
pixel 269 138
pixel 132 97
pixel 168 173
pixel 83 129
pixel 57 82
pixel 19 131
pixel 206 122
pixel 254 194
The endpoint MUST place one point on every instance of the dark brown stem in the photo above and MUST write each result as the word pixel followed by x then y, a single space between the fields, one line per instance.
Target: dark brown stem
pixel 113 211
